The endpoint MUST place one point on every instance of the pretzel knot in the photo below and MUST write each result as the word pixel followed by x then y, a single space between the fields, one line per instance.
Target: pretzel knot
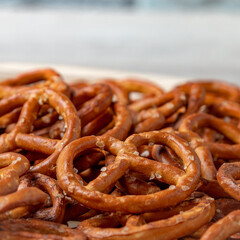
pixel 166 224
pixel 19 137
pixel 51 213
pixel 92 195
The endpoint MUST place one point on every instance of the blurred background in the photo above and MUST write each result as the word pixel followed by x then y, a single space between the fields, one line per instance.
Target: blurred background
pixel 183 38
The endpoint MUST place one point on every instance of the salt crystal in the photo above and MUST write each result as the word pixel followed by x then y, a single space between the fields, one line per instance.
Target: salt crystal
pixel 170 105
pixel 152 176
pixel 185 188
pixel 104 174
pixel 145 153
pixel 183 97
pixel 100 143
pixel 158 175
pixel 103 169
pixel 191 158
pixel 136 153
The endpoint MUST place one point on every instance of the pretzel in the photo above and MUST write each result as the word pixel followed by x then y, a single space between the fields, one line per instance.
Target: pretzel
pixel 91 101
pixel 224 206
pixel 148 120
pixel 12 166
pixel 54 213
pixel 224 228
pixel 24 82
pixel 30 196
pixel 152 225
pixel 132 184
pixel 196 97
pixel 134 85
pixel 91 195
pixel 119 91
pixel 219 89
pixel 109 173
pixel 99 123
pixel 19 137
pixel 226 176
pixel 199 120
pixel 208 169
pixel 37 229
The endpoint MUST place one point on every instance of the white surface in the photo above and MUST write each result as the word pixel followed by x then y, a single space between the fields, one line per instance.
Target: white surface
pixel 179 43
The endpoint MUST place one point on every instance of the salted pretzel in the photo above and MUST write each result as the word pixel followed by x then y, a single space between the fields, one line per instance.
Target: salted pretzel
pixel 195 99
pixel 133 183
pixel 208 169
pixel 166 224
pixel 19 137
pixel 55 212
pixel 32 80
pixel 127 158
pixel 120 93
pixel 91 101
pixel 227 177
pixel 87 155
pixel 201 120
pixel 25 229
pixel 224 227
pixel 224 206
pixel 148 88
pixel 12 166
pixel 153 113
pixel 26 197
pixel 119 129
pixel 124 90
pixel 219 89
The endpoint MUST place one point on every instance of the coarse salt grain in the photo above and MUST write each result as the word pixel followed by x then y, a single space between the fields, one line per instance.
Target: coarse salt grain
pixel 145 153
pixel 100 143
pixel 103 169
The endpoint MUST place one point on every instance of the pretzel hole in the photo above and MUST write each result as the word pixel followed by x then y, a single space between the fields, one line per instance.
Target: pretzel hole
pixel 89 163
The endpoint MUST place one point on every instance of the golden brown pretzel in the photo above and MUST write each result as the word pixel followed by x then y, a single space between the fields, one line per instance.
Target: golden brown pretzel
pixel 208 169
pixel 91 101
pixel 127 158
pixel 224 228
pixel 24 81
pixel 19 137
pixel 166 224
pixel 201 120
pixel 146 87
pixel 30 196
pixel 12 166
pixel 219 89
pixel 120 93
pixel 196 97
pixel 55 212
pixel 124 90
pixel 227 175
pixel 25 229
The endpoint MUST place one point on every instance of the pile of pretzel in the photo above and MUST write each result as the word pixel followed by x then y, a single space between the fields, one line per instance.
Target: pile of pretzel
pixel 118 159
